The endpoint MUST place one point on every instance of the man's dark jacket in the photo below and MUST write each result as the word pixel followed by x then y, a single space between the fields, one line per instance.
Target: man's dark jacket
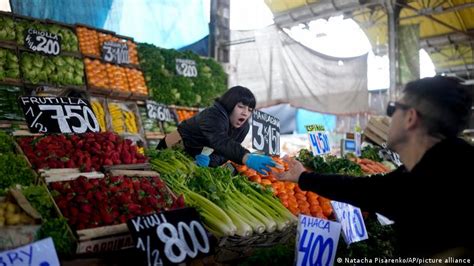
pixel 212 128
pixel 431 205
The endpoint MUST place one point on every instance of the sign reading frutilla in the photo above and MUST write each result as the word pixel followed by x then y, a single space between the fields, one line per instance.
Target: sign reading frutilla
pixel 58 115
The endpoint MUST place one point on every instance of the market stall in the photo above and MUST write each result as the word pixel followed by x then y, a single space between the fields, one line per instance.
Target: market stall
pixel 89 183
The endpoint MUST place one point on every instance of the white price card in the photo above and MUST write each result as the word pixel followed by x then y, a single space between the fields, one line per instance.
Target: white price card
pixel 320 142
pixel 41 253
pixel 350 217
pixel 316 241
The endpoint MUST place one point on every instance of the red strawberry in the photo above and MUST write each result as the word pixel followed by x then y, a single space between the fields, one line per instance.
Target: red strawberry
pixel 73 212
pixel 62 204
pixel 134 208
pixel 58 186
pixel 86 208
pixel 99 196
pixel 106 218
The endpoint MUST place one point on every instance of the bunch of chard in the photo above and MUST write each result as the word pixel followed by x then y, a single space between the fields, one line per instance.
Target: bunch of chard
pixel 89 203
pixel 89 151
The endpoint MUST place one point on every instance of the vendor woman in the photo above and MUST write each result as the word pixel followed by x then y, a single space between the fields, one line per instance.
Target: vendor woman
pixel 222 127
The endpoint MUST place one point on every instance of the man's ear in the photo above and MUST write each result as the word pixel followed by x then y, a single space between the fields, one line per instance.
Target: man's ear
pixel 412 118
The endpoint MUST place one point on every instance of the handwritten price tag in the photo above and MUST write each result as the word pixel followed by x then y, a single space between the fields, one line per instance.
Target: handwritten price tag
pixel 115 52
pixel 320 143
pixel 42 41
pixel 170 237
pixel 58 115
pixel 186 67
pixel 350 217
pixel 265 133
pixel 38 253
pixel 316 241
pixel 159 112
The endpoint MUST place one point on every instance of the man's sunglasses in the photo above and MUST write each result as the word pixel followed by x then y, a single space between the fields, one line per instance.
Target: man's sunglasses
pixel 392 107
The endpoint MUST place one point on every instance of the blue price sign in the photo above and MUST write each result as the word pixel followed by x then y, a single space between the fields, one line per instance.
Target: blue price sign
pixel 350 217
pixel 316 241
pixel 38 253
pixel 319 141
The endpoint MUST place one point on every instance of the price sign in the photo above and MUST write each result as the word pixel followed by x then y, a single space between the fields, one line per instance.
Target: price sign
pixel 170 237
pixel 265 133
pixel 389 155
pixel 115 52
pixel 186 67
pixel 38 253
pixel 159 111
pixel 58 115
pixel 43 41
pixel 358 141
pixel 319 141
pixel 350 217
pixel 316 241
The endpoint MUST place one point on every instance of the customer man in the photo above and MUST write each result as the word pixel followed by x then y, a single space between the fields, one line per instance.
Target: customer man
pixel 430 198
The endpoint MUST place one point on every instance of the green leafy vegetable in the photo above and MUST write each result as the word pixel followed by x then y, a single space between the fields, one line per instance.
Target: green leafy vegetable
pixel 371 153
pixel 159 67
pixel 57 229
pixel 329 164
pixel 39 198
pixel 14 170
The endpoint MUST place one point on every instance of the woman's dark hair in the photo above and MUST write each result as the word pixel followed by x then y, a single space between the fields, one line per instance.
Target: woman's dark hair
pixel 235 95
pixel 444 104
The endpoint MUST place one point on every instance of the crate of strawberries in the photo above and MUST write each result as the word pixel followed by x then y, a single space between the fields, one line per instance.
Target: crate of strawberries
pixel 97 208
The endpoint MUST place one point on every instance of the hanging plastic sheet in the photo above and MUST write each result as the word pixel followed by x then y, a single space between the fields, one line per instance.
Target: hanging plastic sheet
pixel 278 69
pixel 164 23
pixel 90 12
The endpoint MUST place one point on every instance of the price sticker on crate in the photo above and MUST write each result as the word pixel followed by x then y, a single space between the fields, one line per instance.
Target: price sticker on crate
pixel 58 115
pixel 115 52
pixel 186 67
pixel 170 237
pixel 350 217
pixel 43 41
pixel 265 133
pixel 316 241
pixel 159 112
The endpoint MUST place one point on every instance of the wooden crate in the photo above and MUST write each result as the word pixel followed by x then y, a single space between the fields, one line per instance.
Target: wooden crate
pixel 377 129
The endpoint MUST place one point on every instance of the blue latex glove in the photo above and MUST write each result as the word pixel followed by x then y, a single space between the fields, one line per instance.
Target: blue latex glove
pixel 260 163
pixel 202 160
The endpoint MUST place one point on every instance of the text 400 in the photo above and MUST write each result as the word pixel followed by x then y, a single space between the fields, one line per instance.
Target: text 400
pixel 315 249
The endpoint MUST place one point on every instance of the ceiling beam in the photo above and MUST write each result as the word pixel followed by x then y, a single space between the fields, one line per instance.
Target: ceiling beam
pixel 471 35
pixel 322 9
pixel 437 10
pixel 445 39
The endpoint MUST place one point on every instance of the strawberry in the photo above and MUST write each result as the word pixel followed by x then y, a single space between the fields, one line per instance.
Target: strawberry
pixel 73 212
pixel 86 208
pixel 99 196
pixel 106 217
pixel 58 186
pixel 134 208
